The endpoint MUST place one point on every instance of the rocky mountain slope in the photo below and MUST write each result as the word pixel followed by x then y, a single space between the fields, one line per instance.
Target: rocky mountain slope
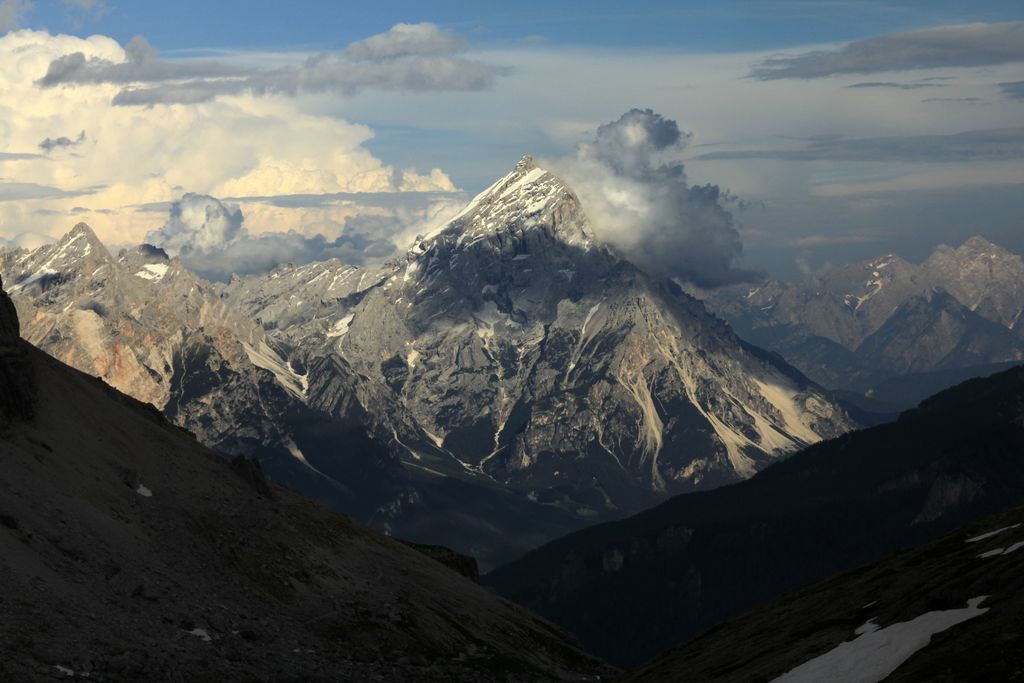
pixel 518 378
pixel 947 611
pixel 534 356
pixel 631 588
pixel 868 322
pixel 150 328
pixel 128 551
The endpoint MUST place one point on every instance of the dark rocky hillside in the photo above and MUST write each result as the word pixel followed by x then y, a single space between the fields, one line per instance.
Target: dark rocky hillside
pixel 906 597
pixel 128 551
pixel 629 589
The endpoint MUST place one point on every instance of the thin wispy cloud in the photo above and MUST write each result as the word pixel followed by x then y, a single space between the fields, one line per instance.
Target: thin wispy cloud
pixel 16 156
pixel 895 86
pixel 962 45
pixel 1013 90
pixel 62 142
pixel 953 99
pixel 17 191
pixel 407 57
pixel 1002 144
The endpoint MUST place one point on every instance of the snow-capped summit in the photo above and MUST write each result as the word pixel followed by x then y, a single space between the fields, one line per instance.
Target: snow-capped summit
pixel 77 255
pixel 509 353
pixel 525 198
pixel 536 357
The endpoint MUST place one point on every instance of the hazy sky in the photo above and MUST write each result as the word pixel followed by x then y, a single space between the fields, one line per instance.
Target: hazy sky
pixel 839 129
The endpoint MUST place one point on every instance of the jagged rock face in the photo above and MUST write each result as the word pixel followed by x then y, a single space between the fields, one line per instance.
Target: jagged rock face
pixel 129 552
pixel 136 321
pixel 844 329
pixel 509 351
pixel 154 330
pixel 934 329
pixel 536 357
pixel 985 278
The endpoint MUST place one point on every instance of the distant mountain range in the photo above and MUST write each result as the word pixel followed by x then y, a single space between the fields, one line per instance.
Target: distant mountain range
pixel 631 588
pixel 514 377
pixel 957 314
pixel 128 551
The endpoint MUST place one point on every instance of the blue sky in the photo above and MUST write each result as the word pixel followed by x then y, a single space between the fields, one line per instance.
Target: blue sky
pixel 725 25
pixel 840 135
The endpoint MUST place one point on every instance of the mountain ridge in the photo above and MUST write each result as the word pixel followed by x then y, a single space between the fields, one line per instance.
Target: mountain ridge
pixel 128 551
pixel 507 355
pixel 836 327
pixel 633 587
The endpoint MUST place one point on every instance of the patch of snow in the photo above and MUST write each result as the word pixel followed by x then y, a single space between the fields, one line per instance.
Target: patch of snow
pixel 144 492
pixel 64 670
pixel 990 534
pixel 868 626
pixel 530 177
pixel 1003 551
pixel 438 440
pixel 877 652
pixel 469 207
pixel 35 277
pixel 590 314
pixel 340 328
pixel 265 357
pixel 877 284
pixel 200 633
pixel 153 271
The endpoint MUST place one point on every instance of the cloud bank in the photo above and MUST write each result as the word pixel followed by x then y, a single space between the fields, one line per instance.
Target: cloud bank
pixel 961 45
pixel 132 157
pixel 406 57
pixel 635 191
pixel 210 237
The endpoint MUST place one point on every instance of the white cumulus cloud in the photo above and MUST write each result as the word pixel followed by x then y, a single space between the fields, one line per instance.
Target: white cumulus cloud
pixel 129 158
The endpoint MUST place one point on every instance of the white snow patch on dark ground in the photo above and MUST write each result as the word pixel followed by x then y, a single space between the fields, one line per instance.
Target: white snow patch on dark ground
pixel 990 534
pixel 877 652
pixel 1003 551
pixel 144 492
pixel 200 633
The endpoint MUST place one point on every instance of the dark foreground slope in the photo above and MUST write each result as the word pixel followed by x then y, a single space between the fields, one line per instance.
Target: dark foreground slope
pixel 888 617
pixel 130 552
pixel 630 589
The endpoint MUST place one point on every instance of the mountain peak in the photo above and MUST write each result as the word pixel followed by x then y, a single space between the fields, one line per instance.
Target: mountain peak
pixel 85 235
pixel 980 245
pixel 526 164
pixel 527 197
pixel 81 229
